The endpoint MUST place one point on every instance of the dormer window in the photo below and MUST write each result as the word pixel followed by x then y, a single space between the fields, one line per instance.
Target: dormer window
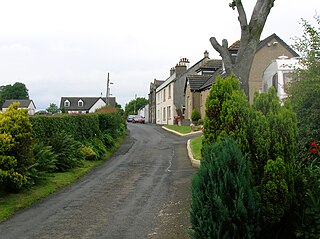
pixel 80 103
pixel 66 103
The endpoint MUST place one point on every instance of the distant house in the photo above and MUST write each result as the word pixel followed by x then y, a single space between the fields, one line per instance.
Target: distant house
pixel 24 104
pixel 152 100
pixel 84 105
pixel 170 95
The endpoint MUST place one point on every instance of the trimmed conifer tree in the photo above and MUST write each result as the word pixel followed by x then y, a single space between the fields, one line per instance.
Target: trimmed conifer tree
pixel 224 203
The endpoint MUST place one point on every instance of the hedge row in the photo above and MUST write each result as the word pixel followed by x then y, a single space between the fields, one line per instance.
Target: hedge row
pixel 80 127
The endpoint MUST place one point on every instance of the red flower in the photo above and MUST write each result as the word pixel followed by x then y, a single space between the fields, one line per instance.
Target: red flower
pixel 314 150
pixel 313 144
pixel 319 146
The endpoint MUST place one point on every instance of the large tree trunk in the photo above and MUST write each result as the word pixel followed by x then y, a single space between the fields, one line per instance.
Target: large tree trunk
pixel 250 38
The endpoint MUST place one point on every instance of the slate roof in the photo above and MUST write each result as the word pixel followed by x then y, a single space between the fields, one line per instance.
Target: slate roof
pixel 23 103
pixel 88 102
pixel 212 79
pixel 211 65
pixel 196 81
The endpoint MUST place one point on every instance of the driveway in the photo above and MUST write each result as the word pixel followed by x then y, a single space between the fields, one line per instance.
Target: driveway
pixel 143 191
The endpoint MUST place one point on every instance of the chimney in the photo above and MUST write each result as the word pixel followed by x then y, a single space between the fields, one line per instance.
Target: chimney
pixel 172 71
pixel 206 54
pixel 182 66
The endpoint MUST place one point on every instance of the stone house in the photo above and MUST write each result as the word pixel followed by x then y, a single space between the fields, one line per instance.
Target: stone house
pixel 268 50
pixel 152 100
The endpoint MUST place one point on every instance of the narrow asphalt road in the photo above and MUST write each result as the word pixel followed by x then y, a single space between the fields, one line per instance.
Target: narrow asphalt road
pixel 143 191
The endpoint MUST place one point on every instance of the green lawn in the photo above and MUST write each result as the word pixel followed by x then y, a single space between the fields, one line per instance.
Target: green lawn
pixel 180 129
pixel 196 145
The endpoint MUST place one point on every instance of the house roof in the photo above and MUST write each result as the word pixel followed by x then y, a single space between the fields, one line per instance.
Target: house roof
pixel 210 65
pixel 196 81
pixel 212 79
pixel 235 47
pixel 88 102
pixel 23 103
pixel 275 36
pixel 174 77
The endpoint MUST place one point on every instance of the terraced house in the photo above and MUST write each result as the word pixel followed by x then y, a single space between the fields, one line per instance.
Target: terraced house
pixel 170 98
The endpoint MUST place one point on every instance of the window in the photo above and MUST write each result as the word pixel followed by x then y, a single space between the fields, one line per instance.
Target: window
pixel 169 112
pixel 169 93
pixel 66 103
pixel 80 103
pixel 164 95
pixel 275 82
pixel 164 113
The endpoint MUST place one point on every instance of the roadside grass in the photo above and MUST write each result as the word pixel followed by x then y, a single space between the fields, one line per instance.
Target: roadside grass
pixel 11 203
pixel 196 145
pixel 180 129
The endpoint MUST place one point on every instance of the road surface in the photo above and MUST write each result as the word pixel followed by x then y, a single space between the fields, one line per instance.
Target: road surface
pixel 143 191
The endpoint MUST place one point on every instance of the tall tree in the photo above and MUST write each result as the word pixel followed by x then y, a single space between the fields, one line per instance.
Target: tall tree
pixel 250 38
pixel 17 91
pixel 134 105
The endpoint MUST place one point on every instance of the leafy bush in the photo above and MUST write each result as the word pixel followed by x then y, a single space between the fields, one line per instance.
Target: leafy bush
pixel 224 203
pixel 89 153
pixel 67 151
pixel 195 115
pixel 96 147
pixel 44 162
pixel 15 147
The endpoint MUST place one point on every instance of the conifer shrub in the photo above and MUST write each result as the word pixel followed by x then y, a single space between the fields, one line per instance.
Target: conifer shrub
pixel 195 115
pixel 224 202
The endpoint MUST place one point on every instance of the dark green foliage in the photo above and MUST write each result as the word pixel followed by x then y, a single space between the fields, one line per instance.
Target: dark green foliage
pixel 112 123
pixel 79 127
pixel 224 203
pixel 98 149
pixel 227 113
pixel 195 115
pixel 276 196
pixel 44 162
pixel 67 151
pixel 108 141
pixel 17 91
pixel 134 105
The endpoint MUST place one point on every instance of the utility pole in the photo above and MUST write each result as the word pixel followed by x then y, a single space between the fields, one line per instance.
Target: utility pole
pixel 108 90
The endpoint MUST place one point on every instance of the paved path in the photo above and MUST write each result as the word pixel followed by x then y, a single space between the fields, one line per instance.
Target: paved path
pixel 143 191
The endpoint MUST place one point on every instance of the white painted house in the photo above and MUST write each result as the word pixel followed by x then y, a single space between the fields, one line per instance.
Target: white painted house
pixel 278 74
pixel 81 105
pixel 24 104
pixel 165 109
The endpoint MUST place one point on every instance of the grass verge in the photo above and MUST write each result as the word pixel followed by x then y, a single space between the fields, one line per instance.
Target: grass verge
pixel 11 203
pixel 196 145
pixel 180 129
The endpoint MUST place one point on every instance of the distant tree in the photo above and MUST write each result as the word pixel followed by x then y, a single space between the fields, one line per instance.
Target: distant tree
pixel 17 91
pixel 250 38
pixel 53 108
pixel 134 105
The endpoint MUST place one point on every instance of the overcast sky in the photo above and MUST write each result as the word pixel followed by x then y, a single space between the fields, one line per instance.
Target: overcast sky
pixel 66 47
